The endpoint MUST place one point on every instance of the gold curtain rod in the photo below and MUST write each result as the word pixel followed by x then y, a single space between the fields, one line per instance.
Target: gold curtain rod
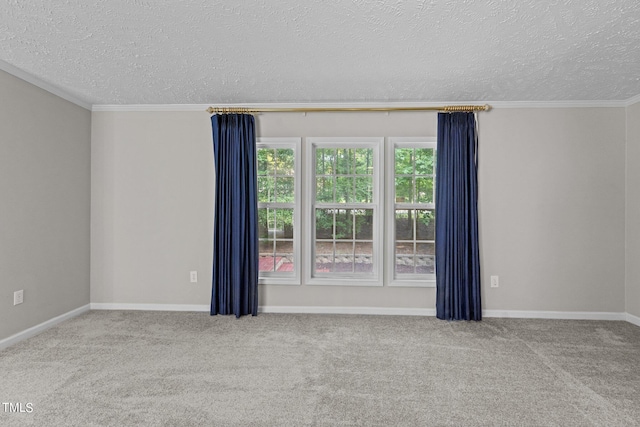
pixel 446 109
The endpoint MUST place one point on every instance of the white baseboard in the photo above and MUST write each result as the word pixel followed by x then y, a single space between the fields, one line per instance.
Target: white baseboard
pixel 575 315
pixel 272 309
pixel 149 307
pixel 35 330
pixel 391 311
pixel 632 319
pixel 522 314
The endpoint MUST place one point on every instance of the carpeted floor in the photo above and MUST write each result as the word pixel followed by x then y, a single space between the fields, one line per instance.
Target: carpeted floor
pixel 122 368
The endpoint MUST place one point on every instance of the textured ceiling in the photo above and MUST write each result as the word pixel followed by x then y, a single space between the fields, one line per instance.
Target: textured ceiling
pixel 235 51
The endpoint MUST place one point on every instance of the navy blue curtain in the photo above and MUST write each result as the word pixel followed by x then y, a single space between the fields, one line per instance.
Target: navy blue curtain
pixel 235 229
pixel 457 249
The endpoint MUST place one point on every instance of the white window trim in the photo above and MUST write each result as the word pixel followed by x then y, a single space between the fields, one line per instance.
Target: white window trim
pixel 353 279
pixel 274 278
pixel 429 281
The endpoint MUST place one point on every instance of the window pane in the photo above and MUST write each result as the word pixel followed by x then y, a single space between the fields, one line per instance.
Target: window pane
pixel 324 161
pixel 364 257
pixel 324 264
pixel 426 224
pixel 404 161
pixel 364 249
pixel 352 160
pixel 324 223
pixel 425 265
pixel 265 157
pixel 404 224
pixel 262 223
pixel 266 260
pixel 414 254
pixel 404 264
pixel 284 190
pixel 285 263
pixel 343 248
pixel 364 223
pixel 424 161
pixel 284 256
pixel 363 266
pixel 324 249
pixel 265 189
pixel 364 189
pixel 266 263
pixel 324 190
pixel 324 257
pixel 404 190
pixel 265 247
pixel 344 161
pixel 425 249
pixel 344 263
pixel 284 161
pixel 344 224
pixel 404 248
pixel 364 161
pixel 344 190
pixel 424 190
pixel 284 223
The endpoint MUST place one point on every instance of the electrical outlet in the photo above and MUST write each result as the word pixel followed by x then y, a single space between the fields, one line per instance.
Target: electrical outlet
pixel 18 297
pixel 494 282
pixel 193 276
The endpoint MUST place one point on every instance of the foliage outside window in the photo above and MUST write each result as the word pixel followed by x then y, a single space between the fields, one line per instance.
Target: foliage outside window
pixel 345 240
pixel 349 219
pixel 413 210
pixel 277 211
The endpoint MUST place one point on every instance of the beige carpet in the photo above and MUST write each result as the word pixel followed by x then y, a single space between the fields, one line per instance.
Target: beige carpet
pixel 120 368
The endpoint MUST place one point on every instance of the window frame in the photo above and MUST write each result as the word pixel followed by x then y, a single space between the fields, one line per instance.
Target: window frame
pixel 346 279
pixel 295 143
pixel 417 280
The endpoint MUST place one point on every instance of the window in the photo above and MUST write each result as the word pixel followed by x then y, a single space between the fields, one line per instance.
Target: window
pixel 369 211
pixel 344 195
pixel 278 211
pixel 411 211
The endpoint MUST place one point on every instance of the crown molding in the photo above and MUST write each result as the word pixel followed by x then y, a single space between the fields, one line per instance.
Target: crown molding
pixel 154 107
pixel 633 100
pixel 559 104
pixel 29 78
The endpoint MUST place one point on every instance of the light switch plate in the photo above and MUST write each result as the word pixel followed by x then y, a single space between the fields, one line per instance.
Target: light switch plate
pixel 18 297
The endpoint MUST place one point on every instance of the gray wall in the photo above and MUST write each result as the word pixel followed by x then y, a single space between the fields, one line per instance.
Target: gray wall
pixel 633 211
pixel 44 204
pixel 552 206
pixel 152 207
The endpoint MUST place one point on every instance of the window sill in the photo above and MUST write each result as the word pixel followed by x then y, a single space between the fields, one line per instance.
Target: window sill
pixel 278 281
pixel 342 281
pixel 413 283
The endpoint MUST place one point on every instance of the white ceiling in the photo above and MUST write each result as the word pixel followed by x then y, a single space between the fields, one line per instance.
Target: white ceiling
pixel 235 51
